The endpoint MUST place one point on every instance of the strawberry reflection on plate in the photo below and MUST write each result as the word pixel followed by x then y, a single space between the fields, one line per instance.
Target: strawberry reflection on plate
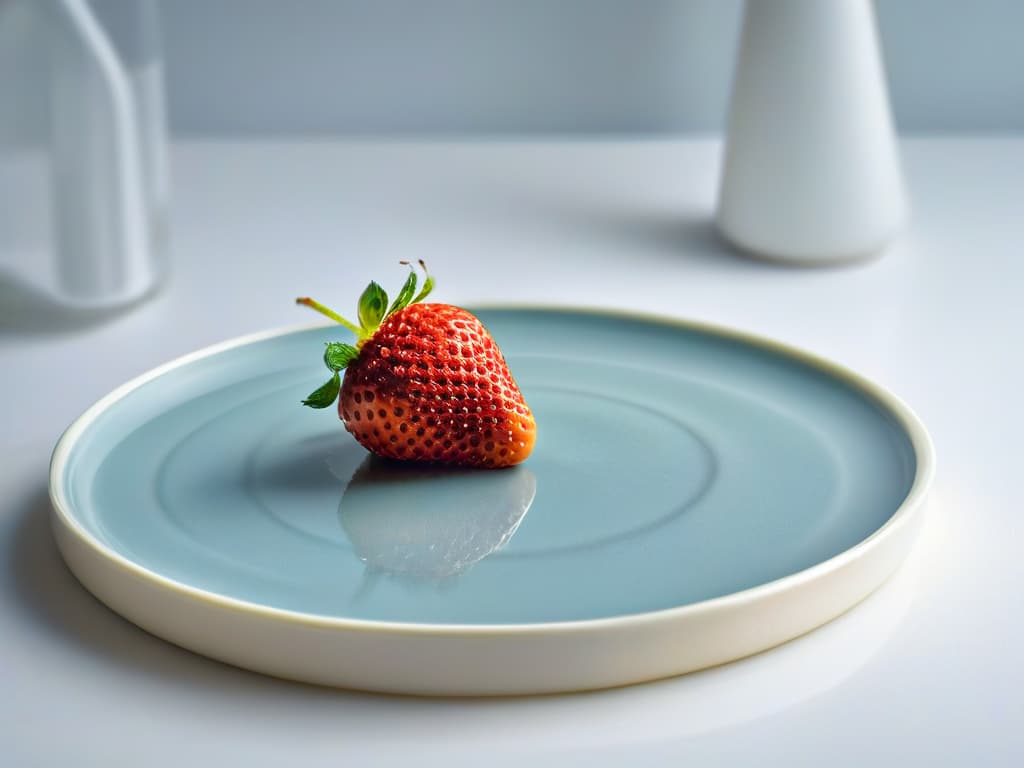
pixel 424 523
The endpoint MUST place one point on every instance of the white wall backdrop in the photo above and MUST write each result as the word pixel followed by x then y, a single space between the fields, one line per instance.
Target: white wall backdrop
pixel 328 66
pixel 323 67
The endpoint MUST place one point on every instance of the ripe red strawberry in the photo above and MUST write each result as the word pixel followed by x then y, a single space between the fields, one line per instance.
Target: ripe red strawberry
pixel 425 382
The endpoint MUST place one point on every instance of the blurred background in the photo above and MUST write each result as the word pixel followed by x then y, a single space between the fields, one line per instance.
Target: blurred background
pixel 536 66
pixel 86 189
pixel 326 67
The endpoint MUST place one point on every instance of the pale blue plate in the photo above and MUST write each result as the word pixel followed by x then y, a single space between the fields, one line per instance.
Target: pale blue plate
pixel 674 464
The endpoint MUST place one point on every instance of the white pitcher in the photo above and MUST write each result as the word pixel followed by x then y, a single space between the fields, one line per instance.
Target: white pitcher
pixel 84 173
pixel 811 171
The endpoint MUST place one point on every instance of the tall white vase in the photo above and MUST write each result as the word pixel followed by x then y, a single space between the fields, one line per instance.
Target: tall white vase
pixel 811 171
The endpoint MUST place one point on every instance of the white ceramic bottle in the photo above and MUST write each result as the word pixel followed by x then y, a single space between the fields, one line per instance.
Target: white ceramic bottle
pixel 107 143
pixel 83 172
pixel 811 171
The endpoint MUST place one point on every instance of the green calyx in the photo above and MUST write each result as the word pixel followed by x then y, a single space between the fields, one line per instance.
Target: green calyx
pixel 372 312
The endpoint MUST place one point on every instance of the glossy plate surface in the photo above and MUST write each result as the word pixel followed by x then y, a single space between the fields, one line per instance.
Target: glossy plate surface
pixel 674 465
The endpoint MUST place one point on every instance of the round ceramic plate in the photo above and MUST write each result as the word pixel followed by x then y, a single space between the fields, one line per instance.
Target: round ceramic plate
pixel 695 495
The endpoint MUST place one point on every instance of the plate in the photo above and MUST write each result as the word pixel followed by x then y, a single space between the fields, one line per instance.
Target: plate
pixel 696 495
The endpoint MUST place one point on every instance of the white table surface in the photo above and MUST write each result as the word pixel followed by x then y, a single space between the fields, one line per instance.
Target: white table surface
pixel 929 669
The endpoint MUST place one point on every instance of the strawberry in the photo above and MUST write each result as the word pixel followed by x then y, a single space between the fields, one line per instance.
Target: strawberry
pixel 424 382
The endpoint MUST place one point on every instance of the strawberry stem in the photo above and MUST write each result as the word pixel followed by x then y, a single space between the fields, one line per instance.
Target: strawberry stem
pixel 328 312
pixel 373 310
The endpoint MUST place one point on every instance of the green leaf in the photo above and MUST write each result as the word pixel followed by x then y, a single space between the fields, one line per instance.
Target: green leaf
pixel 325 395
pixel 405 295
pixel 428 285
pixel 372 305
pixel 338 356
